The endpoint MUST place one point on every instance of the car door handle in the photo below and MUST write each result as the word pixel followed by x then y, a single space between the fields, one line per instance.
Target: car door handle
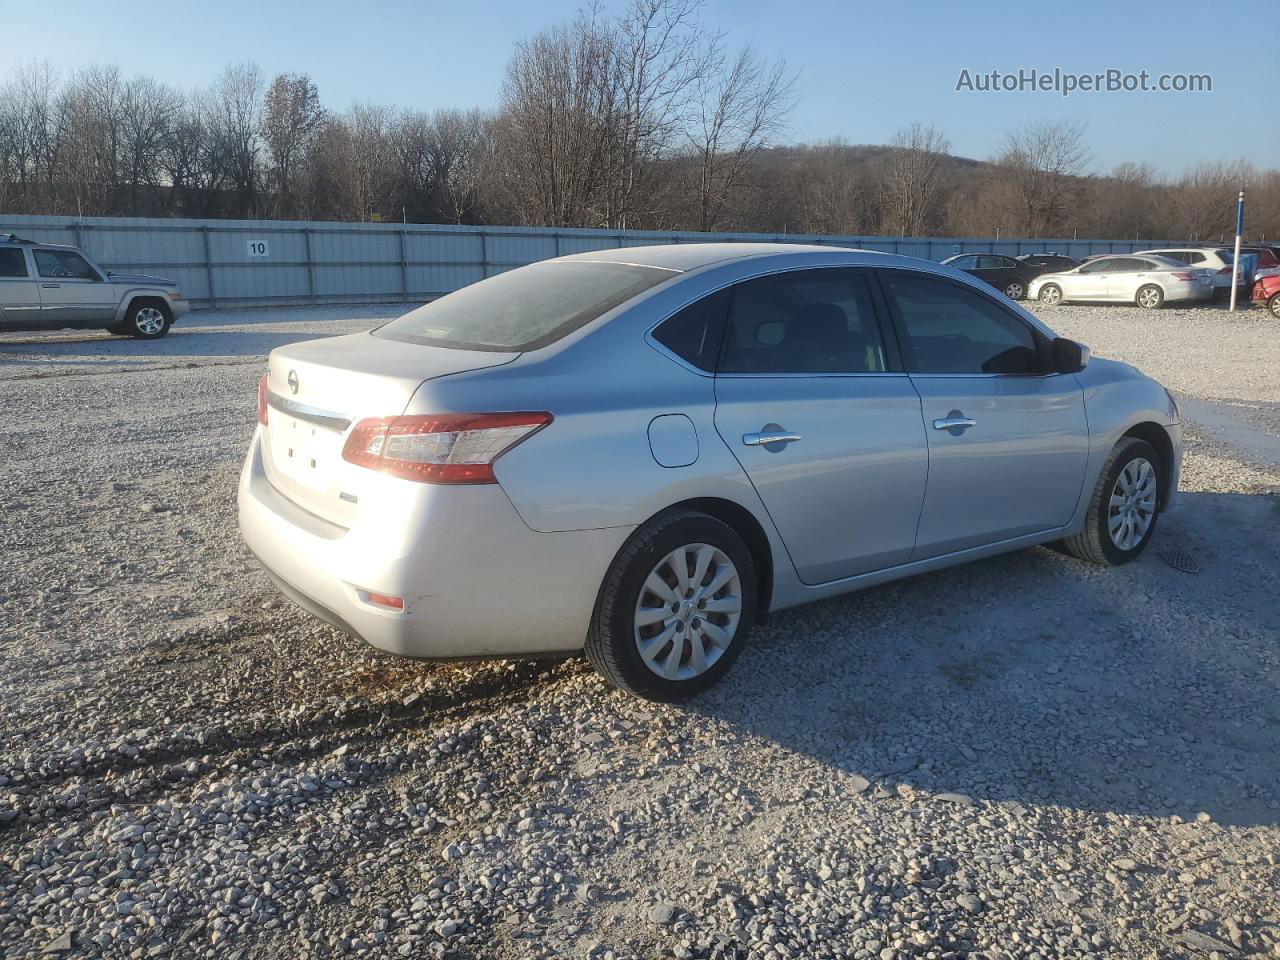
pixel 51 286
pixel 954 423
pixel 761 439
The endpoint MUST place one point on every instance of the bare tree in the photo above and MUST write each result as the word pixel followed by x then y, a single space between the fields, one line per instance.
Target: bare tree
pixel 234 109
pixel 148 113
pixel 560 106
pixel 1202 202
pixel 913 179
pixel 291 115
pixel 740 107
pixel 1041 163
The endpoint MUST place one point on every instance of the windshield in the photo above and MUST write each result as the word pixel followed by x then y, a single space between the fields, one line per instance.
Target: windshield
pixel 526 308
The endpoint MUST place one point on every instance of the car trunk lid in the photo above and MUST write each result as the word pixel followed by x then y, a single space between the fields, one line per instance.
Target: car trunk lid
pixel 317 390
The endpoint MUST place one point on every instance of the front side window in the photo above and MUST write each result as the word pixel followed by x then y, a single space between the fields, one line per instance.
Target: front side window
pixel 526 308
pixel 1099 266
pixel 13 263
pixel 63 265
pixel 810 321
pixel 965 262
pixel 951 329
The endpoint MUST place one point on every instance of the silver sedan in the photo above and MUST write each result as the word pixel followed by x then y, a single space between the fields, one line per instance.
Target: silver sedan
pixel 1147 280
pixel 645 451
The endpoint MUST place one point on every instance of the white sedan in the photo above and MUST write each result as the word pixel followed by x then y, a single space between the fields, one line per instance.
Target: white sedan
pixel 1148 280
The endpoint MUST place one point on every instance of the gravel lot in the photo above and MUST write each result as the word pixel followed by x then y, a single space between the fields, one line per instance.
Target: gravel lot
pixel 1023 757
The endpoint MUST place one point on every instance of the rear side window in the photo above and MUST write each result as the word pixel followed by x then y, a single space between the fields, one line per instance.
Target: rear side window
pixel 526 308
pixel 12 263
pixel 811 321
pixel 695 333
pixel 951 329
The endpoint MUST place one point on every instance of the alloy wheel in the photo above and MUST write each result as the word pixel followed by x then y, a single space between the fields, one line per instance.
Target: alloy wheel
pixel 1148 297
pixel 688 611
pixel 1133 504
pixel 1013 291
pixel 149 320
pixel 1050 295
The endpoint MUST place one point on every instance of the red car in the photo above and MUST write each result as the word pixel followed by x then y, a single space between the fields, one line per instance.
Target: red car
pixel 1267 292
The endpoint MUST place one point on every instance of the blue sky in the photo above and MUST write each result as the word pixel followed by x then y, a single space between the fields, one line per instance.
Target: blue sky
pixel 865 68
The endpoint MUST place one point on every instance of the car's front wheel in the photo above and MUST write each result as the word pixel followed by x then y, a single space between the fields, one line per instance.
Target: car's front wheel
pixel 675 607
pixel 1150 297
pixel 1124 506
pixel 1274 305
pixel 1015 290
pixel 146 320
pixel 1051 294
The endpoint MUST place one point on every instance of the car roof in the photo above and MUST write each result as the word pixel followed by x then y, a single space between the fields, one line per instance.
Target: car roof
pixel 683 257
pixel 11 239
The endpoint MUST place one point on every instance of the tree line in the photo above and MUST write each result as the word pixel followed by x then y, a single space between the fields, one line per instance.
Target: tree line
pixel 643 120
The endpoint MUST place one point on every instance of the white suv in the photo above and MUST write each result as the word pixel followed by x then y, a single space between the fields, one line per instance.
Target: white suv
pixel 1217 259
pixel 46 286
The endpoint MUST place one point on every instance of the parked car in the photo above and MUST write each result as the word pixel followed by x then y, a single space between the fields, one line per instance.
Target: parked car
pixel 47 286
pixel 1148 281
pixel 1217 259
pixel 1267 293
pixel 1006 274
pixel 645 451
pixel 1049 262
pixel 1268 262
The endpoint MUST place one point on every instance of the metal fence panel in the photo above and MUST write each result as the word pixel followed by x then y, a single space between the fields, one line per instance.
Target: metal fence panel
pixel 260 262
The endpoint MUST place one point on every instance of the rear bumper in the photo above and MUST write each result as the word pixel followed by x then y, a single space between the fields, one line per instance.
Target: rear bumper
pixel 475 580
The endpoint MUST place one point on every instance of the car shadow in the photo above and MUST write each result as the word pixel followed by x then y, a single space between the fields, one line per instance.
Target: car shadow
pixel 1035 678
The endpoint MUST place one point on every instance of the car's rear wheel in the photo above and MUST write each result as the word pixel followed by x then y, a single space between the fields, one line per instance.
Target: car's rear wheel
pixel 1150 297
pixel 1274 304
pixel 1015 290
pixel 1124 506
pixel 147 320
pixel 1051 294
pixel 675 607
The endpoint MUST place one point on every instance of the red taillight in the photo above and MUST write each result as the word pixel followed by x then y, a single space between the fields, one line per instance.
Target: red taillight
pixel 439 448
pixel 1224 270
pixel 1184 276
pixel 262 400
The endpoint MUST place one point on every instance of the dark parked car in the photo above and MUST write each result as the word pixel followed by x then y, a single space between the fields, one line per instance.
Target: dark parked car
pixel 1011 277
pixel 1049 262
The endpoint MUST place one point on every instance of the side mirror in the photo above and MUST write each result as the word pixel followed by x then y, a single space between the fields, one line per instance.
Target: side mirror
pixel 1069 356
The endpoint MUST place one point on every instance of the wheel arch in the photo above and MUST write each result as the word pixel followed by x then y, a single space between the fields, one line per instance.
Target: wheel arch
pixel 1156 435
pixel 744 523
pixel 133 297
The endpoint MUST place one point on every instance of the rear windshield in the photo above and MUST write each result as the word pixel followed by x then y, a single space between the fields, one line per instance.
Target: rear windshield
pixel 524 309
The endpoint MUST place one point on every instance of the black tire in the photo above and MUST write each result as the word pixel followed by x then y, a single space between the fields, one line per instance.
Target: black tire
pixel 1051 300
pixel 1274 305
pixel 140 320
pixel 611 641
pixel 1094 543
pixel 1149 297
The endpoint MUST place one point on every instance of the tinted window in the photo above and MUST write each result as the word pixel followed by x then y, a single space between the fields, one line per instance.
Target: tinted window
pixel 1099 266
pixel 963 262
pixel 12 263
pixel 813 321
pixel 989 263
pixel 696 332
pixel 951 329
pixel 1130 265
pixel 1194 258
pixel 524 309
pixel 63 265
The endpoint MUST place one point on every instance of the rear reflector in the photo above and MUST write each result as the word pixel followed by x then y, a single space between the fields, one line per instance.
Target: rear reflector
pixel 440 448
pixel 262 400
pixel 382 600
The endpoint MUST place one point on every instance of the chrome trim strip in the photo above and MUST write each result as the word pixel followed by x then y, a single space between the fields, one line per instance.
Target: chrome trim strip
pixel 301 411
